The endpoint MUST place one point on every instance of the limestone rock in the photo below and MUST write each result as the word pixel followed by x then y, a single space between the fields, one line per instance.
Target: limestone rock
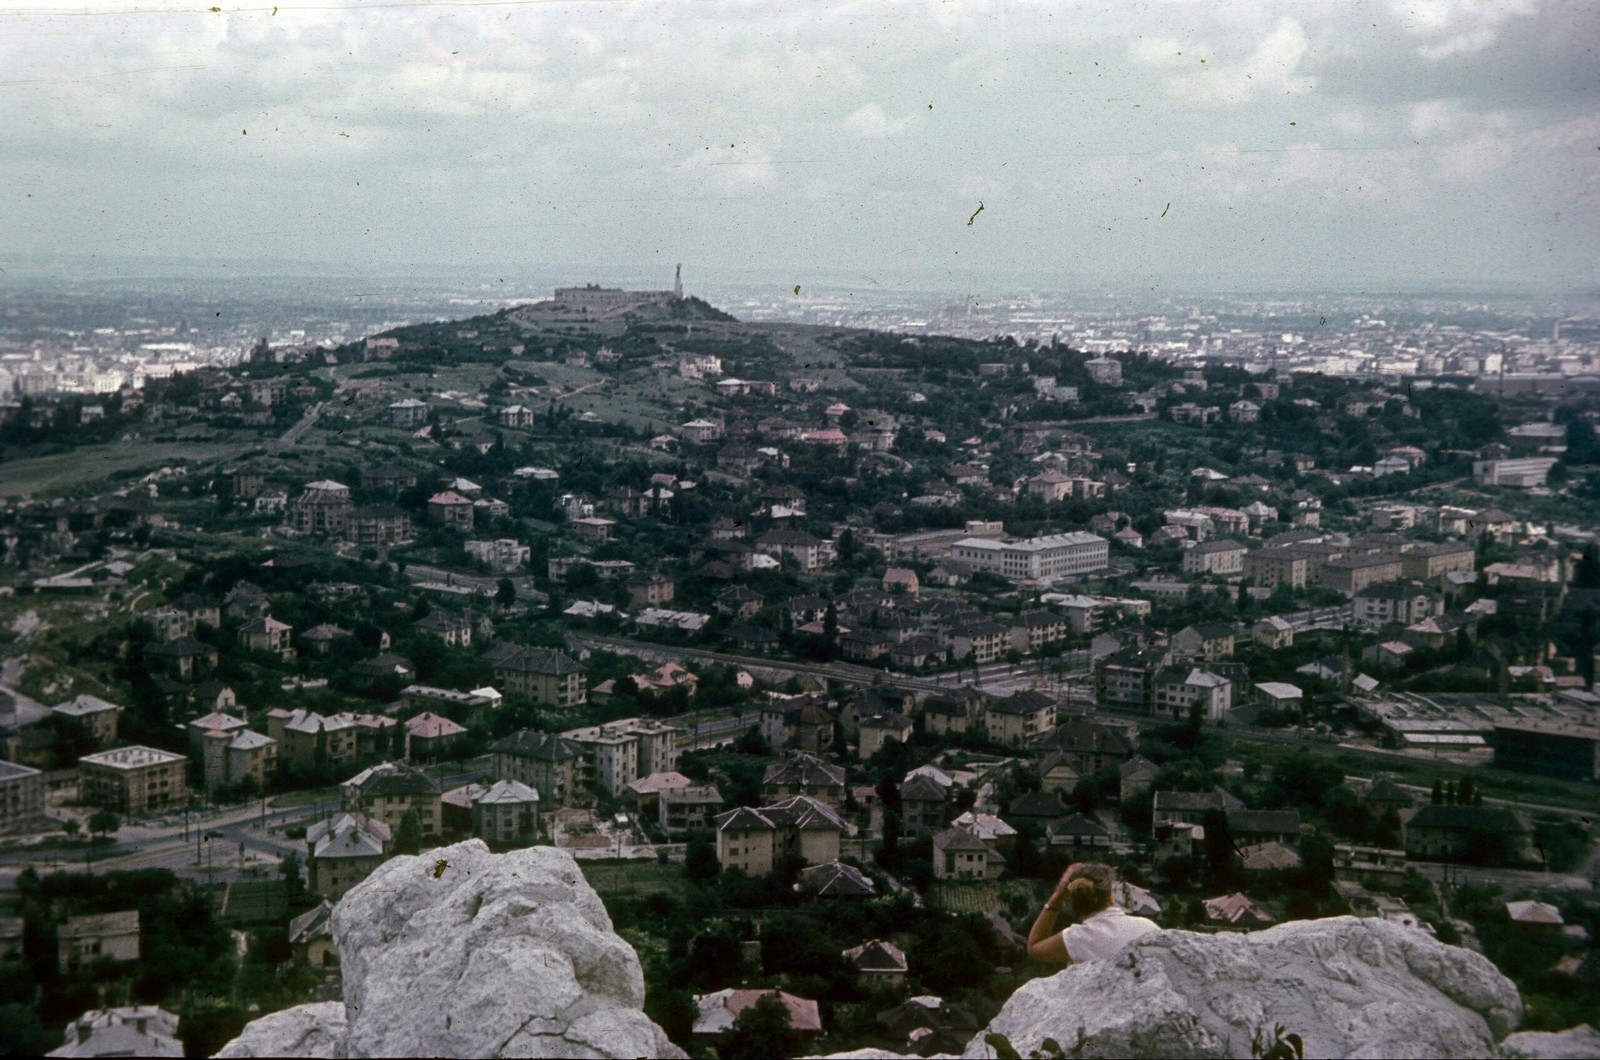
pixel 1349 987
pixel 464 953
pixel 305 1030
pixel 1578 1043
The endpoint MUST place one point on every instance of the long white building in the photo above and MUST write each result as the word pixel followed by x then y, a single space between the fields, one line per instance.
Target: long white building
pixel 1041 560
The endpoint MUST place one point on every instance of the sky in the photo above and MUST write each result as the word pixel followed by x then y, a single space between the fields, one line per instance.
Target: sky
pixel 1164 145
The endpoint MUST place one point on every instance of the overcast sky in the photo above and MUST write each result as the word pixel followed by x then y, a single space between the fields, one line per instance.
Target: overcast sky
pixel 1193 145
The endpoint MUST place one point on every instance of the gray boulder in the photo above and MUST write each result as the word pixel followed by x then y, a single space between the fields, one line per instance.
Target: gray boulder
pixel 1348 987
pixel 305 1030
pixel 464 953
pixel 1578 1043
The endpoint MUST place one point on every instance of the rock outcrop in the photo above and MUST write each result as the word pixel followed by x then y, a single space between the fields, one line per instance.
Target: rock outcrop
pixel 1579 1043
pixel 461 952
pixel 305 1030
pixel 1348 987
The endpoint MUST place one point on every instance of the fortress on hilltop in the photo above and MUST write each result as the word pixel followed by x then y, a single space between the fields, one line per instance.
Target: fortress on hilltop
pixel 605 301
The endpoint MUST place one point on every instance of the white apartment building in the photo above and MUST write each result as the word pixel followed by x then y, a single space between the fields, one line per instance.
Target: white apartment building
pixel 1038 559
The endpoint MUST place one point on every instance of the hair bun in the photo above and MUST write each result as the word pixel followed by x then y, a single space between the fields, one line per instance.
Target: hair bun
pixel 1081 885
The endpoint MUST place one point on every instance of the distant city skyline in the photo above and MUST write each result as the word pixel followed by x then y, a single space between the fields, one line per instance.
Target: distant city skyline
pixel 1165 148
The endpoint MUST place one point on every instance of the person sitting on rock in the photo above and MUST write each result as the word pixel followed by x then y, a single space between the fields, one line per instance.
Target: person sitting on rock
pixel 1102 927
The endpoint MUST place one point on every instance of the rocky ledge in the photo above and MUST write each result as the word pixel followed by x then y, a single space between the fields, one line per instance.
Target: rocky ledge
pixel 464 953
pixel 1348 987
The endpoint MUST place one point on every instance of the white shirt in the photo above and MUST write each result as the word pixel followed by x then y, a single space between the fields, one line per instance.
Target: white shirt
pixel 1104 933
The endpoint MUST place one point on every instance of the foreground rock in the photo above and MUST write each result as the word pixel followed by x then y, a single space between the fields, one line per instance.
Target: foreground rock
pixel 464 953
pixel 1579 1043
pixel 1348 987
pixel 305 1030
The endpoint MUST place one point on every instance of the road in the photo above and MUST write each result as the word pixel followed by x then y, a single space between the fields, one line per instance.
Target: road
pixel 208 847
pixel 292 435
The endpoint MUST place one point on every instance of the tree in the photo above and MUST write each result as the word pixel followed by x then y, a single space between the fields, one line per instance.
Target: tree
pixel 1437 797
pixel 700 859
pixel 1586 575
pixel 289 869
pixel 761 1032
pixel 408 834
pixel 1464 791
pixel 103 823
pixel 71 827
pixel 505 593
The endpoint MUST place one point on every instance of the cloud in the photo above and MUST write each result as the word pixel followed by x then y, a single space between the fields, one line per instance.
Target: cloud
pixel 1196 76
pixel 870 122
pixel 1457 27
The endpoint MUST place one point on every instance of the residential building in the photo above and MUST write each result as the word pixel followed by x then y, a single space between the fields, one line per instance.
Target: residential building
pixel 135 1030
pixel 980 641
pixel 95 716
pixel 1178 689
pixel 184 656
pixel 430 736
pixel 408 413
pixel 515 417
pixel 1033 631
pixel 472 708
pixel 450 509
pixel 1489 835
pixel 692 808
pixel 542 676
pixel 1351 574
pixel 878 729
pixel 82 940
pixel 1520 473
pixel 387 792
pixel 1039 560
pixel 1272 633
pixel 757 840
pixel 804 774
pixel 322 509
pixel 307 739
pixel 134 780
pixel 379 526
pixel 1271 567
pixel 1395 602
pixel 267 634
pixel 958 854
pixel 620 752
pixel 877 961
pixel 809 553
pixel 649 589
pixel 543 761
pixel 1215 557
pixel 320 639
pixel 922 804
pixel 1204 640
pixel 21 799
pixel 506 814
pixel 343 851
pixel 1427 562
pixel 720 1010
pixel 1020 718
pixel 452 627
pixel 311 937
pixel 234 756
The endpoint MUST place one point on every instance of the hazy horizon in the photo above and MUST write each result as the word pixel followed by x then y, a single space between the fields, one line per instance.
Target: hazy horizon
pixel 1433 144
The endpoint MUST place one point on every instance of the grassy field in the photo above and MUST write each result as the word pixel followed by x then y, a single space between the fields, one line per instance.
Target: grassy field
pixel 633 878
pixel 979 896
pixel 252 901
pixel 90 466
